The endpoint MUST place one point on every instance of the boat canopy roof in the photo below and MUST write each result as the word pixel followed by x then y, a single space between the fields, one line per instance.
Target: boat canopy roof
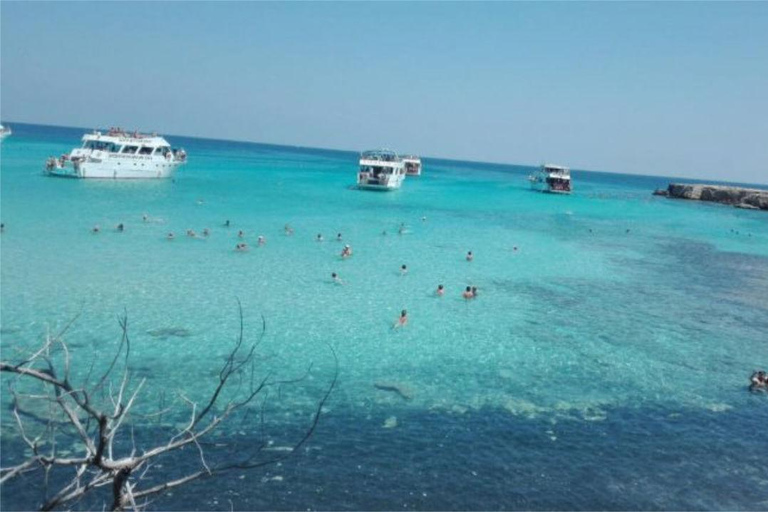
pixel 126 138
pixel 552 167
pixel 385 155
pixel 412 158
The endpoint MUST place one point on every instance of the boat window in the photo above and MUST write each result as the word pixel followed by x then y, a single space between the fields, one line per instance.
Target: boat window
pixel 131 150
pixel 145 150
pixel 162 150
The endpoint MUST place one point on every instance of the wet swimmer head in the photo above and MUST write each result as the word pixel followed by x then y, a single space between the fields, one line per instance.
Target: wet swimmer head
pixel 467 293
pixel 440 290
pixel 402 321
pixel 319 237
pixel 470 256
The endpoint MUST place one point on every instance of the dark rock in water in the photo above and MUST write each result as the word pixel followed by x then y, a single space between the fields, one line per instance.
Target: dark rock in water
pixel 745 206
pixel 396 388
pixel 661 192
pixel 750 198
pixel 167 332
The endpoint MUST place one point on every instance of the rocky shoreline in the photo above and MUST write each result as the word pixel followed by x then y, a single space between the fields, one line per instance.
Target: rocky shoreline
pixel 749 198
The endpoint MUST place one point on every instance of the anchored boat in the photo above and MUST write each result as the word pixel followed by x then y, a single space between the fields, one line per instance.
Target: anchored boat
pixel 412 165
pixel 551 178
pixel 380 169
pixel 118 155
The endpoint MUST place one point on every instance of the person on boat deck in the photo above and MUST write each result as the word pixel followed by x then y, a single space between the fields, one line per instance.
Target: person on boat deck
pixel 467 293
pixel 95 229
pixel 440 290
pixel 338 237
pixel 319 237
pixel 470 257
pixel 120 227
pixel 402 321
pixel 336 278
pixel 240 234
pixel 403 269
pixel 262 240
pixel 170 236
pixel 346 252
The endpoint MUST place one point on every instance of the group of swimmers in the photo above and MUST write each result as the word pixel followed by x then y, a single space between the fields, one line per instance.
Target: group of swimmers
pixel 758 381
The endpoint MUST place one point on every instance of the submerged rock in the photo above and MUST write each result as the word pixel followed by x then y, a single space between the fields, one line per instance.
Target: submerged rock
pixel 390 422
pixel 399 389
pixel 167 332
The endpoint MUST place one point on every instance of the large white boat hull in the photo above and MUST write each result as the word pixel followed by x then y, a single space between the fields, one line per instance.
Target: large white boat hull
pixel 114 171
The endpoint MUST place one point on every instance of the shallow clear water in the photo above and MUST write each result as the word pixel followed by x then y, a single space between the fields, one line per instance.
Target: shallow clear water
pixel 609 353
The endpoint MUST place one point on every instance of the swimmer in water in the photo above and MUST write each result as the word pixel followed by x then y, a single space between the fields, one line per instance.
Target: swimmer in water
pixel 95 229
pixel 403 270
pixel 145 218
pixel 346 252
pixel 262 240
pixel 170 236
pixel 402 321
pixel 440 290
pixel 474 292
pixel 470 257
pixel 120 227
pixel 240 234
pixel 338 237
pixel 191 233
pixel 514 248
pixel 226 223
pixel 206 232
pixel 423 219
pixel 336 278
pixel 241 247
pixel 384 233
pixel 288 230
pixel 401 229
pixel 467 293
pixel 319 237
pixel 2 228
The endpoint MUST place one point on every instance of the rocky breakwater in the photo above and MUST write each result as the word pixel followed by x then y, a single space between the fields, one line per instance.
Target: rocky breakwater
pixel 751 198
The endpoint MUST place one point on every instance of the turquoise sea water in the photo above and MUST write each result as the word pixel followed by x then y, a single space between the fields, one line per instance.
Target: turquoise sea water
pixel 603 365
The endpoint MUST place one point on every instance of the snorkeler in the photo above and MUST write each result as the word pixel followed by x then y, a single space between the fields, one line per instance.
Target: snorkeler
pixel 402 321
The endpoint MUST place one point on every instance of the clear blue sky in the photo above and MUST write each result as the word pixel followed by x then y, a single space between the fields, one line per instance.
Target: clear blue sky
pixel 674 89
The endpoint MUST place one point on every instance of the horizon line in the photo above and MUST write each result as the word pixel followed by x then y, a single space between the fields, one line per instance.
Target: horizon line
pixel 483 162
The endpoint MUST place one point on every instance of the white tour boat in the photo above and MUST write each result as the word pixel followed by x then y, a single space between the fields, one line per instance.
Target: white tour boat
pixel 4 131
pixel 117 154
pixel 412 165
pixel 380 169
pixel 551 178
